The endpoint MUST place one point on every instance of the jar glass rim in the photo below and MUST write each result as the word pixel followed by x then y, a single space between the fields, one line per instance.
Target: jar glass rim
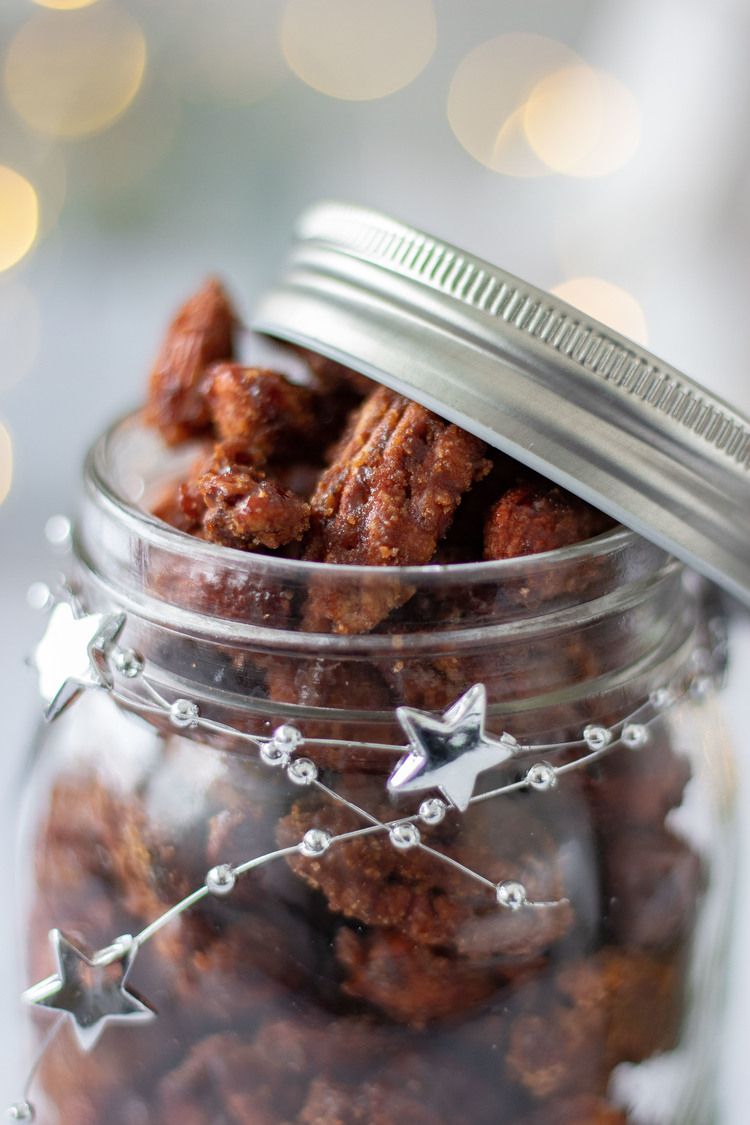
pixel 99 476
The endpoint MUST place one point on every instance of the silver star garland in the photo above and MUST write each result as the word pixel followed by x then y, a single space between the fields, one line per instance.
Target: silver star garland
pixel 446 753
pixel 91 990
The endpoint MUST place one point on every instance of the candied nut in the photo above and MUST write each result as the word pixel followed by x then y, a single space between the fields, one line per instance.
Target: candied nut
pixel 331 376
pixel 201 333
pixel 375 1103
pixel 431 902
pixel 246 509
pixel 608 1008
pixel 225 1078
pixel 412 984
pixel 553 1053
pixel 387 499
pixel 535 516
pixel 261 409
pixel 639 788
pixel 652 882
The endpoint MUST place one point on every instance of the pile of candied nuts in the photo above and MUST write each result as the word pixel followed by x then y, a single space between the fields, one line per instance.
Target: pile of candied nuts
pixel 336 468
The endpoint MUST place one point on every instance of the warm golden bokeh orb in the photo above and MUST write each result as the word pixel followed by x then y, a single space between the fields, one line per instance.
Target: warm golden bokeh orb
pixel 72 75
pixel 358 50
pixel 19 216
pixel 64 5
pixel 606 302
pixel 582 122
pixel 488 94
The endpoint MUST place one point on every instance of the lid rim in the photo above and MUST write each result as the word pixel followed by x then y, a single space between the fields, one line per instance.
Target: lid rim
pixel 641 441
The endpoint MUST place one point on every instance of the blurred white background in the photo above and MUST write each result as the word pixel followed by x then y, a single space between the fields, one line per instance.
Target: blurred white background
pixel 591 145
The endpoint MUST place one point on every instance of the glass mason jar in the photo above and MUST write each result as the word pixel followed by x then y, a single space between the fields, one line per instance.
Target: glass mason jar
pixel 530 936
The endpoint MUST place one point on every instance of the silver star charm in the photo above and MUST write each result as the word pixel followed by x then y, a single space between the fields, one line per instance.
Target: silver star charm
pixel 72 655
pixel 448 753
pixel 91 992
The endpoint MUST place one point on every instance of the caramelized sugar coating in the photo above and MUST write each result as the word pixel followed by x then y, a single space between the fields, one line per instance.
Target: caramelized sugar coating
pixel 534 516
pixel 394 485
pixel 411 984
pixel 201 333
pixel 609 1008
pixel 428 901
pixel 246 509
pixel 265 412
pixel 387 499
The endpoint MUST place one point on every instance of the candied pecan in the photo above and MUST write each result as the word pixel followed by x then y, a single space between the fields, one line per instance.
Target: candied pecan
pixel 374 1103
pixel 652 882
pixel 535 516
pixel 608 1008
pixel 201 333
pixel 639 788
pixel 246 509
pixel 412 984
pixel 430 684
pixel 555 1052
pixel 387 499
pixel 431 902
pixel 631 1000
pixel 260 408
pixel 225 1079
pixel 331 376
pixel 89 1088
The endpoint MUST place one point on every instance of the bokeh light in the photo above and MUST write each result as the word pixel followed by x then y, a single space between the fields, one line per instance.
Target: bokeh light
pixel 20 329
pixel 582 122
pixel 358 49
pixel 73 75
pixel 233 57
pixel 488 94
pixel 6 462
pixel 606 302
pixel 19 216
pixel 64 5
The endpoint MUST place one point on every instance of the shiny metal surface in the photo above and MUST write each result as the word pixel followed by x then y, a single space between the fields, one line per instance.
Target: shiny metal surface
pixel 527 373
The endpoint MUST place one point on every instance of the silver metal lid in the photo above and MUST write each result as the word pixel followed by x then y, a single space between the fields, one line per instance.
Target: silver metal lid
pixel 529 374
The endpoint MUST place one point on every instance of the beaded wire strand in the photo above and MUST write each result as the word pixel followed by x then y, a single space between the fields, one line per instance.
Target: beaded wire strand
pixel 282 750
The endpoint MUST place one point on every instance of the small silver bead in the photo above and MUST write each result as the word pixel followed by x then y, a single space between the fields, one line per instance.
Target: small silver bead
pixel 701 687
pixel 220 880
pixel 39 596
pixel 273 754
pixel 661 698
pixel 404 835
pixel 511 895
pixel 634 735
pixel 21 1111
pixel 57 531
pixel 432 811
pixel 700 659
pixel 315 841
pixel 184 713
pixel 597 737
pixel 287 738
pixel 303 771
pixel 129 663
pixel 542 776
